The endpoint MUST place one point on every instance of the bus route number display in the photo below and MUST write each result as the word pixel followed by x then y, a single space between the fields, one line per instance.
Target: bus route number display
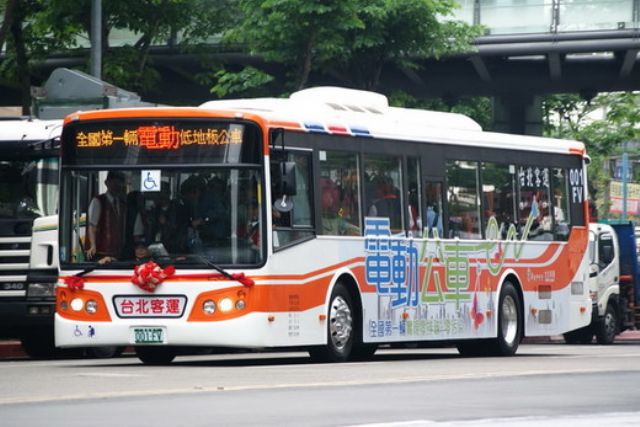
pixel 152 137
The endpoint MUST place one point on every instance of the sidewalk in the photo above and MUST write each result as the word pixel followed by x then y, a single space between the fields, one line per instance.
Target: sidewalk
pixel 11 349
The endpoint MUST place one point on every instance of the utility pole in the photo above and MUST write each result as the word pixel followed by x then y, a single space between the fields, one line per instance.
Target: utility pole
pixel 96 38
pixel 625 172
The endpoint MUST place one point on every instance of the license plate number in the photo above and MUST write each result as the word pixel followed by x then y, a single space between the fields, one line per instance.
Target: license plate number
pixel 148 335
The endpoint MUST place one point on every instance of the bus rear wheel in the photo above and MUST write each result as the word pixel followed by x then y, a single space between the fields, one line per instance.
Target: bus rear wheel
pixel 156 355
pixel 340 329
pixel 509 328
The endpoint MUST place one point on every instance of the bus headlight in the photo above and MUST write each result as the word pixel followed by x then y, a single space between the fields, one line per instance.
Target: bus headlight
pixel 240 304
pixel 91 306
pixel 40 290
pixel 225 304
pixel 77 304
pixel 209 307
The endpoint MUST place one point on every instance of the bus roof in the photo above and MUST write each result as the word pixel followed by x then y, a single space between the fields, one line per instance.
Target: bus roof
pixel 340 111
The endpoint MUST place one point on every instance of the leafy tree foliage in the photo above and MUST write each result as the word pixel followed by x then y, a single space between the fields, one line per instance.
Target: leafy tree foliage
pixel 351 39
pixel 49 26
pixel 604 124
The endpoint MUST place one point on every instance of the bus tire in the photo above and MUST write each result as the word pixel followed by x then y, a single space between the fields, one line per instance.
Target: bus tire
pixel 510 326
pixel 39 344
pixel 607 328
pixel 156 355
pixel 340 329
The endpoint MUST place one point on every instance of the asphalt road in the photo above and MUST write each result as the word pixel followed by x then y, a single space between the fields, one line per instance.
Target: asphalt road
pixel 554 384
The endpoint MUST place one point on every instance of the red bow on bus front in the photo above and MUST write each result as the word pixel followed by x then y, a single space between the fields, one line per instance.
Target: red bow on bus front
pixel 149 276
pixel 75 283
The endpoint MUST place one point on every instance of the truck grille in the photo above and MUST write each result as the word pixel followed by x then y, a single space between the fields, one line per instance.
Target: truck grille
pixel 14 265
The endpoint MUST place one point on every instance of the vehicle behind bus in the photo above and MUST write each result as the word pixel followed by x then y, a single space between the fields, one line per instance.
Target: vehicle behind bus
pixel 328 220
pixel 28 192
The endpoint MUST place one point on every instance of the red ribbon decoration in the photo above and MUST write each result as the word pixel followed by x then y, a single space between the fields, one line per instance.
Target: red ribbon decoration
pixel 149 276
pixel 246 281
pixel 75 283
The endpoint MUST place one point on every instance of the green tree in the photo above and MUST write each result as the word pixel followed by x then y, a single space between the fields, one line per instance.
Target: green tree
pixel 349 40
pixel 304 35
pixel 603 124
pixel 43 27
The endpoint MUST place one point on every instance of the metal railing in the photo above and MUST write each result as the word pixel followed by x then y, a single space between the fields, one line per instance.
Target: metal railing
pixel 549 16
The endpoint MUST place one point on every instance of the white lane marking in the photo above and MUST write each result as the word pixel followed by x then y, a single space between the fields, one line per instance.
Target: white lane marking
pixel 619 419
pixel 108 375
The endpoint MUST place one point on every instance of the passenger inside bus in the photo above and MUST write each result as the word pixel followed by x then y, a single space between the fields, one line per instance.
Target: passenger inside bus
pixel 137 227
pixel 386 203
pixel 106 214
pixel 181 220
pixel 334 220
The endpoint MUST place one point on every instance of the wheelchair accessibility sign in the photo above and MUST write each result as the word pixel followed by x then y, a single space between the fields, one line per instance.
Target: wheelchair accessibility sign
pixel 150 180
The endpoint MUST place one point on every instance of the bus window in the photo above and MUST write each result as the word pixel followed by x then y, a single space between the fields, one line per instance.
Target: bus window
pixel 462 199
pixel 534 203
pixel 384 189
pixel 297 224
pixel 497 198
pixel 561 204
pixel 340 193
pixel 433 213
pixel 414 198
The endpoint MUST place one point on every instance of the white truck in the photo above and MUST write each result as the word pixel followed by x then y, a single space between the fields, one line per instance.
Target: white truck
pixel 614 284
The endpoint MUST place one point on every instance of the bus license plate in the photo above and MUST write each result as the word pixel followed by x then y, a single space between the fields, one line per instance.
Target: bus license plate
pixel 148 336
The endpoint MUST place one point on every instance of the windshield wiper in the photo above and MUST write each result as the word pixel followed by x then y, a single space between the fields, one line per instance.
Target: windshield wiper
pixel 239 277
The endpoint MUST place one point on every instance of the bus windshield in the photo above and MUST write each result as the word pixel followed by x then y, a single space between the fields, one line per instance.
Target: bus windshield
pixel 127 202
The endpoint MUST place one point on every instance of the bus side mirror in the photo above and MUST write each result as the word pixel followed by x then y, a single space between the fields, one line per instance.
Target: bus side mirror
pixel 285 184
pixel 285 178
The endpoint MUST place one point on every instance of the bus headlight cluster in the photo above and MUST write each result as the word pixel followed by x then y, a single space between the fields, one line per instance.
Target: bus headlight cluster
pixel 77 304
pixel 224 305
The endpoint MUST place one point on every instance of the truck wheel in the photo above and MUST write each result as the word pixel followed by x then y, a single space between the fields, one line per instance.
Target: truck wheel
pixel 39 345
pixel 156 355
pixel 607 327
pixel 340 329
pixel 579 336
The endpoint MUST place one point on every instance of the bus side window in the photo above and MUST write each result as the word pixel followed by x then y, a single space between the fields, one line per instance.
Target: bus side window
pixel 498 190
pixel 462 198
pixel 339 193
pixel 414 198
pixel 535 221
pixel 561 204
pixel 433 212
pixel 384 189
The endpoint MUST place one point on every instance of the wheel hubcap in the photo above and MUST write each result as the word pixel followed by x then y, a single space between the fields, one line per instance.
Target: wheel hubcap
pixel 509 322
pixel 341 323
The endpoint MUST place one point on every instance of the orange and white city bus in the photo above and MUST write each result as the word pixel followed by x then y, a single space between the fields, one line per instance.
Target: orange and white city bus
pixel 328 220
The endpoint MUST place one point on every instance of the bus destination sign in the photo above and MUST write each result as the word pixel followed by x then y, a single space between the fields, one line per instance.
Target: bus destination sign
pixel 154 137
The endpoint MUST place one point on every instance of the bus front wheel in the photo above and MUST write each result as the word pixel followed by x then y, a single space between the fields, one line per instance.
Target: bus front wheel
pixel 340 329
pixel 509 328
